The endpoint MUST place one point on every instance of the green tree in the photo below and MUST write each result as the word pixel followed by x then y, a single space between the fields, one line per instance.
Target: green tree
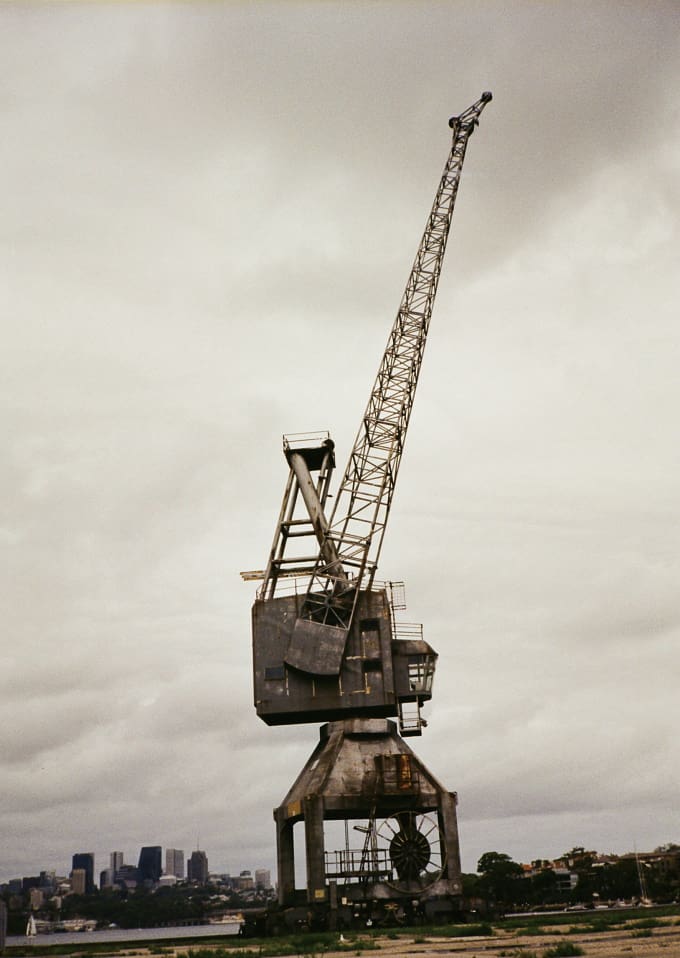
pixel 501 879
pixel 544 888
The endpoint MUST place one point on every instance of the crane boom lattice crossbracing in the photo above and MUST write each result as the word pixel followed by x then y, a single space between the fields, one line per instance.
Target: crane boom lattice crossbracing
pixel 354 535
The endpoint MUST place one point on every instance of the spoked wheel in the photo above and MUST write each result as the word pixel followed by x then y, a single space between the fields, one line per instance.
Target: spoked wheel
pixel 415 849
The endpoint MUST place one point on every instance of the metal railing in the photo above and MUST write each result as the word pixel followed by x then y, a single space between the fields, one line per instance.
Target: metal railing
pixel 359 865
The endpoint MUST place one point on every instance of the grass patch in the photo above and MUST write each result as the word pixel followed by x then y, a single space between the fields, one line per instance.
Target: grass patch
pixel 594 926
pixel 479 930
pixel 533 930
pixel 565 949
pixel 645 923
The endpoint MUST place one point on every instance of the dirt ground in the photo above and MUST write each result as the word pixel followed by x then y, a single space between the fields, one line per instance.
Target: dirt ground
pixel 660 942
pixel 664 942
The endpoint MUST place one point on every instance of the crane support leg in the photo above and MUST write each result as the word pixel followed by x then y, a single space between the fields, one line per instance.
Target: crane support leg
pixel 285 854
pixel 319 522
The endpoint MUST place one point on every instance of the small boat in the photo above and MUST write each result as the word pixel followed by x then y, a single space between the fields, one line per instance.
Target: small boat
pixel 645 900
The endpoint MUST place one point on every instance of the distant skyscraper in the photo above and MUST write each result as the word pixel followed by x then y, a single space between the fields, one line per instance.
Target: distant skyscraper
pixel 79 881
pixel 85 860
pixel 197 868
pixel 126 876
pixel 116 861
pixel 263 879
pixel 174 862
pixel 3 924
pixel 106 878
pixel 48 882
pixel 150 865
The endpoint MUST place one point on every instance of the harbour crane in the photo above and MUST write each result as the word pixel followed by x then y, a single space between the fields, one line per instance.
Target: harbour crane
pixel 327 647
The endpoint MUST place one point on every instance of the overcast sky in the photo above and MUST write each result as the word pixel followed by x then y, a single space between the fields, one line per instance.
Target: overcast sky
pixel 209 212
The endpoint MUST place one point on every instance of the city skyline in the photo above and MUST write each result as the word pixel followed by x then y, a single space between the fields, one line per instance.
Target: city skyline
pixel 117 859
pixel 214 207
pixel 255 870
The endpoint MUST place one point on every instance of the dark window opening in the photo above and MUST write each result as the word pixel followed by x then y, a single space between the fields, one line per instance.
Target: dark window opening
pixel 275 673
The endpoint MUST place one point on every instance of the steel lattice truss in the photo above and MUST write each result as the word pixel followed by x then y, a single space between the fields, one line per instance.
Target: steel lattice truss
pixel 357 525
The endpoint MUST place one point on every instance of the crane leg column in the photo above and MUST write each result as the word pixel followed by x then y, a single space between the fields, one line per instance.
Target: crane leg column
pixel 315 847
pixel 285 853
pixel 448 826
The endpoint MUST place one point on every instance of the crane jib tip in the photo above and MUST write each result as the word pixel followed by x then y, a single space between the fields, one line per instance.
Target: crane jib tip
pixel 474 110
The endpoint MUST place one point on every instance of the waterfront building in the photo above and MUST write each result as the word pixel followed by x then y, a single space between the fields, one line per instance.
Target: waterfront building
pixel 174 862
pixel 85 861
pixel 245 881
pixel 167 881
pixel 48 881
pixel 36 899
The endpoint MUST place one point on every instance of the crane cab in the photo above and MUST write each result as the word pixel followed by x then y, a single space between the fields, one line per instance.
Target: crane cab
pixel 305 670
pixel 386 670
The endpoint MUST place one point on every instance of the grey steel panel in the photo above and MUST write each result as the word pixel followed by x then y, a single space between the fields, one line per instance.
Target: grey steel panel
pixel 316 648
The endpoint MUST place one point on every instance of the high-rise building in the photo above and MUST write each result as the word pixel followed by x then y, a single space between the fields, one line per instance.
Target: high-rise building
pixel 48 881
pixel 106 878
pixel 3 924
pixel 36 898
pixel 127 876
pixel 79 881
pixel 245 880
pixel 150 865
pixel 116 861
pixel 174 862
pixel 263 879
pixel 85 860
pixel 197 867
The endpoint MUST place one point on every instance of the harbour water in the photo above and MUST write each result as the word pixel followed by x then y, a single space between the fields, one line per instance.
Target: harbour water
pixel 185 932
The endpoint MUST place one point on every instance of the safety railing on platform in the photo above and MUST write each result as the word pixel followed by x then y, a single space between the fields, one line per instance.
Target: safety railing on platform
pixel 354 865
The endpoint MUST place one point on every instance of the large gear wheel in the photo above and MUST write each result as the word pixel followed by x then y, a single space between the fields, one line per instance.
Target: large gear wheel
pixel 414 846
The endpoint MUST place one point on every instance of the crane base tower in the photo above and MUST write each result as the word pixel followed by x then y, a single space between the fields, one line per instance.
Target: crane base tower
pixel 399 860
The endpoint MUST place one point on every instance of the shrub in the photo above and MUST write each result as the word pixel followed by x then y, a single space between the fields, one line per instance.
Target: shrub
pixel 565 949
pixel 645 923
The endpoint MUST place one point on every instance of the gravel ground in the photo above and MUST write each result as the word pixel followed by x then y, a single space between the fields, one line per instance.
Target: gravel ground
pixel 663 942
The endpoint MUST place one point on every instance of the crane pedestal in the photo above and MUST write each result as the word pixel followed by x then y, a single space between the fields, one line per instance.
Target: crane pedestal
pixel 400 859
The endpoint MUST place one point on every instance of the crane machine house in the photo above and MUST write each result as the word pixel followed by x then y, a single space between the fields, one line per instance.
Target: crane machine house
pixel 327 647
